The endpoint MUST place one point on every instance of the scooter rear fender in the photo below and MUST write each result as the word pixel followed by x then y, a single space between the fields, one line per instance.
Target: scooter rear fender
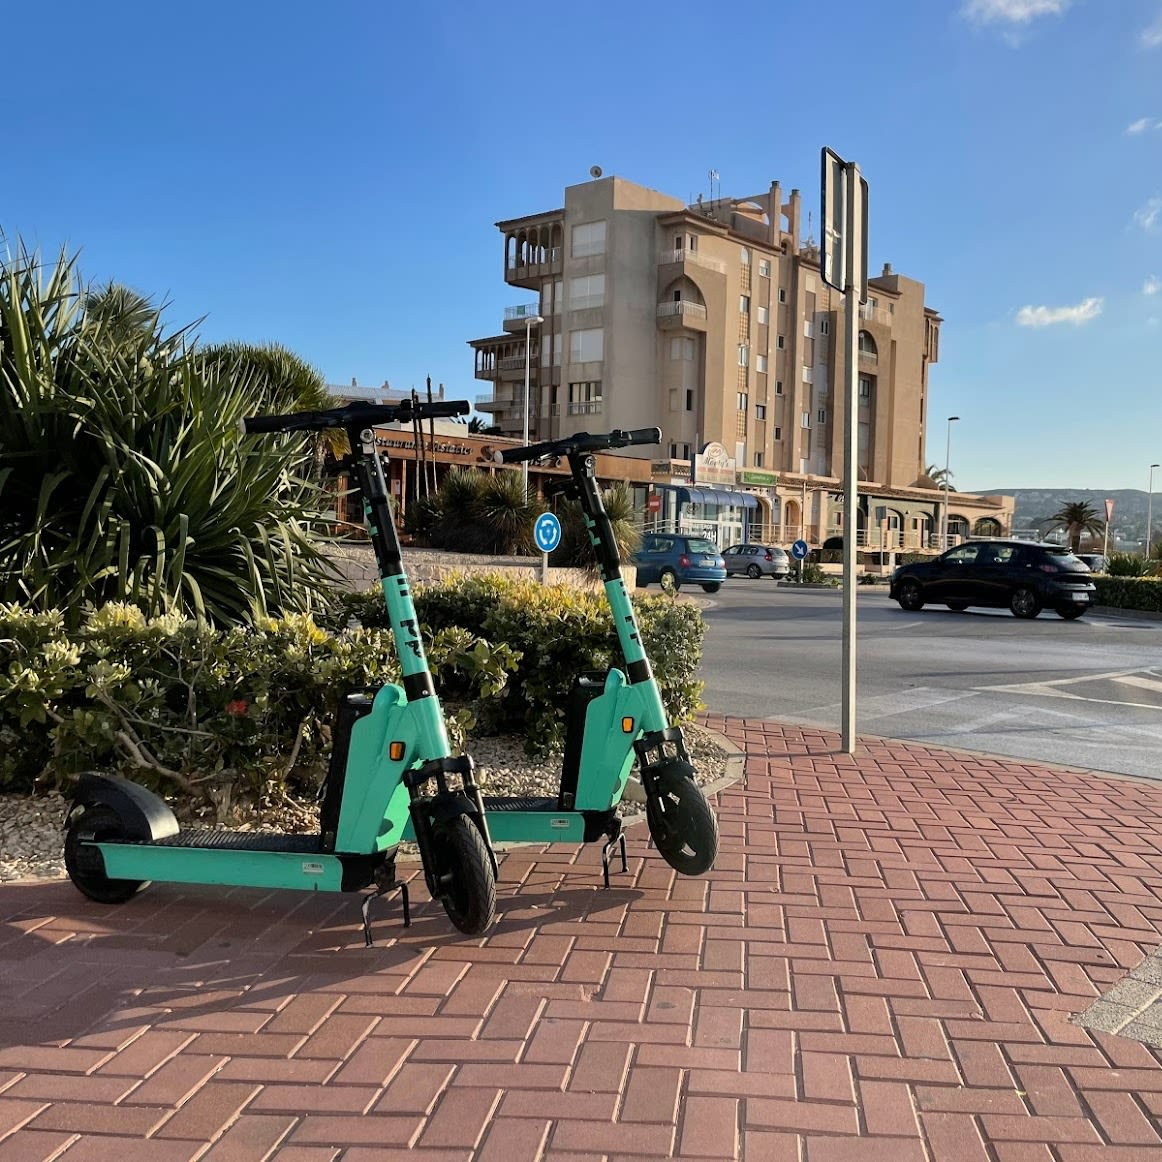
pixel 145 816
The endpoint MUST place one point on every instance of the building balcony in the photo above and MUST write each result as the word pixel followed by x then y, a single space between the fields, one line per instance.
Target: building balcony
pixel 875 314
pixel 681 257
pixel 516 318
pixel 588 407
pixel 681 313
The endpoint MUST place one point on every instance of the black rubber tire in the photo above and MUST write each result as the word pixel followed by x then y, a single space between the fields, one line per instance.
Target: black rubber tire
pixel 753 572
pixel 957 606
pixel 84 865
pixel 712 586
pixel 674 585
pixel 911 597
pixel 1071 612
pixel 682 826
pixel 1024 603
pixel 465 870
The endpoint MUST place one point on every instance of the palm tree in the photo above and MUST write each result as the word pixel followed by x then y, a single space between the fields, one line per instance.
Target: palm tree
pixel 939 476
pixel 1078 517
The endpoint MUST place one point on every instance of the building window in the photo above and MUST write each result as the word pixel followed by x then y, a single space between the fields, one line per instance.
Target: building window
pixel 806 421
pixel 760 363
pixel 824 326
pixel 585 397
pixel 867 345
pixel 780 343
pixel 682 348
pixel 588 239
pixel 587 291
pixel 808 329
pixel 744 304
pixel 587 346
pixel 782 295
pixel 778 387
pixel 744 256
pixel 689 399
pixel 760 411
pixel 821 416
pixel 758 459
pixel 764 315
pixel 778 433
pixel 743 400
pixel 765 267
pixel 865 387
pixel 743 355
pixel 808 374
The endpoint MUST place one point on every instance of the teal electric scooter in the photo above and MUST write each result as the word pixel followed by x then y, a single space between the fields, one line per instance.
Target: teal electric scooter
pixel 613 719
pixel 392 769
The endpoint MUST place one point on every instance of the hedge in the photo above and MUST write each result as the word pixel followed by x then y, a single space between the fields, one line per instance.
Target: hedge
pixel 1129 592
pixel 215 716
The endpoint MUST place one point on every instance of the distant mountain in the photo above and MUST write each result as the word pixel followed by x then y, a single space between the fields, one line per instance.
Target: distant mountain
pixel 1036 505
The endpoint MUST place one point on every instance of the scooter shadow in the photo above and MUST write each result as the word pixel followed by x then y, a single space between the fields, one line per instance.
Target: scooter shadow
pixel 79 974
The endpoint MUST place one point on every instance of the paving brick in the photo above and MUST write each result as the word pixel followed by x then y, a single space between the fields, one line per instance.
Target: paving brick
pixel 33 1145
pixel 644 1141
pixel 513 1139
pixel 415 1088
pixel 1123 1121
pixel 85 1118
pixel 651 1095
pixel 460 1119
pixel 380 1132
pixel 888 1108
pixel 209 1111
pixel 251 1137
pixel 710 1128
pixel 828 1149
pixel 802 1116
pixel 826 1077
pixel 103 1147
pixel 174 1081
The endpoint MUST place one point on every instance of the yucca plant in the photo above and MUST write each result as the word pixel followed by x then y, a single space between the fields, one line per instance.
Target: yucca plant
pixel 122 472
pixel 576 545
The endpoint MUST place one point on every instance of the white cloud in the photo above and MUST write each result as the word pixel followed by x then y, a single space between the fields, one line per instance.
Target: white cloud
pixel 1012 11
pixel 1150 215
pixel 1085 311
pixel 1142 124
pixel 1152 285
pixel 1151 37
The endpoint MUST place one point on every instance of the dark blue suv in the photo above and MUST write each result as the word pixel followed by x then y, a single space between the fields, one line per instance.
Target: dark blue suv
pixel 681 560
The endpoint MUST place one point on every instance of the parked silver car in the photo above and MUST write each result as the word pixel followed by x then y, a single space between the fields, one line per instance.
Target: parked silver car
pixel 757 561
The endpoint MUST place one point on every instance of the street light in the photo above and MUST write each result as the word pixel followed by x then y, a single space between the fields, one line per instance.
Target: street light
pixel 530 322
pixel 1149 509
pixel 947 459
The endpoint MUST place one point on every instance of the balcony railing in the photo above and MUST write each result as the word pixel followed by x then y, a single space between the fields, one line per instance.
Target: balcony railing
pixel 875 314
pixel 587 407
pixel 681 307
pixel 524 311
pixel 694 257
pixel 515 363
pixel 870 357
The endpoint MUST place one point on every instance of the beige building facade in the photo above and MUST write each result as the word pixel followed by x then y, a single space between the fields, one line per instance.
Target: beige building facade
pixel 711 322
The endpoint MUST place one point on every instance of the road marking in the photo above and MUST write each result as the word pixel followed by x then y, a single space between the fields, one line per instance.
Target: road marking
pixel 1143 683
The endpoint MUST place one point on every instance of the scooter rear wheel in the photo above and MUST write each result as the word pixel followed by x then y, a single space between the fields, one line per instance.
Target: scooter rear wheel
pixel 683 827
pixel 83 862
pixel 464 871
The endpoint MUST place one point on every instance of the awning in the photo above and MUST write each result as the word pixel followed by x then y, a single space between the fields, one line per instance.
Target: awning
pixel 719 496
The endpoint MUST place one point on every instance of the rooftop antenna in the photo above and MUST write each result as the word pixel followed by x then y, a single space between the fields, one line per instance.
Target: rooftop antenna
pixel 810 231
pixel 715 176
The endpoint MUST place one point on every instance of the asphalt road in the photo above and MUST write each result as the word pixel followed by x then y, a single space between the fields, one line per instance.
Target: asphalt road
pixel 1086 693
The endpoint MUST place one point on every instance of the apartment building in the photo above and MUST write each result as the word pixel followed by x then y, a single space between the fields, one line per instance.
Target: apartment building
pixel 711 322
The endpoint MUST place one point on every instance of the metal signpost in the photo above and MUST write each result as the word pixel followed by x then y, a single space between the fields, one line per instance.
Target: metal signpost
pixel 547 534
pixel 843 265
pixel 1105 548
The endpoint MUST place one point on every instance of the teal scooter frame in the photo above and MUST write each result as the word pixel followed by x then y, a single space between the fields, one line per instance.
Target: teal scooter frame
pixel 391 769
pixel 613 719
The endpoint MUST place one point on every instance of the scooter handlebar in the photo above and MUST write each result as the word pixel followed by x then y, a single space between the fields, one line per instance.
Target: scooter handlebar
pixel 362 414
pixel 582 442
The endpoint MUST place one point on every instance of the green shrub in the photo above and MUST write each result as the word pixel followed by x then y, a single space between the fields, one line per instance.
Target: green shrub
pixel 1129 592
pixel 1128 565
pixel 557 632
pixel 215 715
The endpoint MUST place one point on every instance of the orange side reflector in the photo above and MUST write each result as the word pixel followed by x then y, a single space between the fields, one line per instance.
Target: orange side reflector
pixel 395 751
pixel 627 725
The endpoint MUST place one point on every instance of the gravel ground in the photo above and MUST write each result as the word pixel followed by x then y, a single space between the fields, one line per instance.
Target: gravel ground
pixel 30 826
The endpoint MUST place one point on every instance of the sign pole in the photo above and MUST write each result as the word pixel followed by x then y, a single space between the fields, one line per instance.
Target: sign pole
pixel 843 265
pixel 1105 548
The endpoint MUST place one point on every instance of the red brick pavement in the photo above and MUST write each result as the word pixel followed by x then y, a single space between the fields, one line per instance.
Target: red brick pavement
pixel 882 966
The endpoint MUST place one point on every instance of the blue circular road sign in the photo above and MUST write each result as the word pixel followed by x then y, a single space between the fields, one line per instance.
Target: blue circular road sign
pixel 799 550
pixel 547 532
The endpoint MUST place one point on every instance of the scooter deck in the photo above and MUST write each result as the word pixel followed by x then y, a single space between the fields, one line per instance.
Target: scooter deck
pixel 529 819
pixel 241 841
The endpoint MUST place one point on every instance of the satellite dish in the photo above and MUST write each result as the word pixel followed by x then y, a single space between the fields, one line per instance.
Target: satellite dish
pixel 595 171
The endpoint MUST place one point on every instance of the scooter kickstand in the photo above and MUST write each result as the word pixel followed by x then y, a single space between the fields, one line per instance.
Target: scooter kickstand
pixel 606 851
pixel 365 908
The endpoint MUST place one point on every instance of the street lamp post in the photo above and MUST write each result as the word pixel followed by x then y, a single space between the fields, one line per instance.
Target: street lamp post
pixel 947 460
pixel 1149 509
pixel 530 322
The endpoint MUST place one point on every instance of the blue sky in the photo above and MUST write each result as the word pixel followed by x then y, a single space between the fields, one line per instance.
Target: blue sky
pixel 328 176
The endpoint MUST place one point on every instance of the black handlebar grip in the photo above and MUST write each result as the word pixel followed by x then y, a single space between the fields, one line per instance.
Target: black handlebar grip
pixel 450 407
pixel 532 452
pixel 254 425
pixel 644 436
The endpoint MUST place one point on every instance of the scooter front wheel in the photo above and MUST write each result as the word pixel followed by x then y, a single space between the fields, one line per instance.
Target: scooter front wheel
pixel 682 826
pixel 464 872
pixel 83 861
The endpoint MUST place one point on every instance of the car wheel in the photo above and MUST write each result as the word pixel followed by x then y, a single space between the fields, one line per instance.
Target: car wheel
pixel 1071 612
pixel 668 580
pixel 753 572
pixel 1025 603
pixel 712 586
pixel 957 606
pixel 910 597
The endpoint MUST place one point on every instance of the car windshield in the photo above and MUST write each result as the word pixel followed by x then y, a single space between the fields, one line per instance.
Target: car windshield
pixel 700 545
pixel 1066 562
